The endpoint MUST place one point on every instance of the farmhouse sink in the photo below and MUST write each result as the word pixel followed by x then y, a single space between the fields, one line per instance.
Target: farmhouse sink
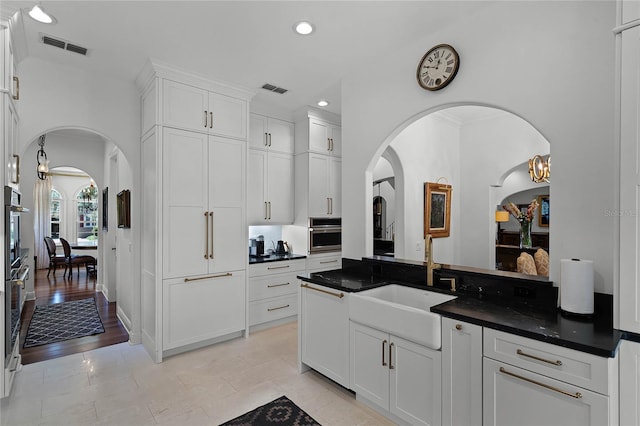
pixel 400 310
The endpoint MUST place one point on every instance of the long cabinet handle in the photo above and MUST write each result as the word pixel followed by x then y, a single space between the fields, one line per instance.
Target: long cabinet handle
pixel 265 211
pixel 16 80
pixel 384 343
pixel 556 362
pixel 269 210
pixel 328 206
pixel 277 285
pixel 391 345
pixel 338 295
pixel 211 121
pixel 228 274
pixel 328 144
pixel 206 235
pixel 205 119
pixel 329 261
pixel 576 395
pixel 266 139
pixel 270 268
pixel 211 217
pixel 279 307
pixel 269 139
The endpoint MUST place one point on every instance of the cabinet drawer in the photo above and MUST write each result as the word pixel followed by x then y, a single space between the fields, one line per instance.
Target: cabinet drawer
pixel 271 268
pixel 324 263
pixel 571 366
pixel 272 309
pixel 272 285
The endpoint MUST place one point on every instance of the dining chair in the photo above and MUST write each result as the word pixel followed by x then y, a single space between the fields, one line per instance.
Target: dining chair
pixel 54 259
pixel 75 259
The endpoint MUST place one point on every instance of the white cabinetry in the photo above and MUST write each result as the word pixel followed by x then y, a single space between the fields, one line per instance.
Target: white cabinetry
pixel 323 331
pixel 270 188
pixel 188 107
pixel 271 134
pixel 8 108
pixel 629 289
pixel 629 383
pixel 325 177
pixel 273 292
pixel 324 262
pixel 530 382
pixel 630 10
pixel 194 234
pixel 325 137
pixel 397 375
pixel 461 373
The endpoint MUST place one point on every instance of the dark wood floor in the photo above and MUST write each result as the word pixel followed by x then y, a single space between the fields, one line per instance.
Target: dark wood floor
pixel 57 289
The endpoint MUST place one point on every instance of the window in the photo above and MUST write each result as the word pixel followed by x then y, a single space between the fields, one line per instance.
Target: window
pixel 87 217
pixel 56 202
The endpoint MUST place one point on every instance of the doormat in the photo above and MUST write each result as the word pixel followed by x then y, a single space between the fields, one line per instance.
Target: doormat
pixel 63 321
pixel 281 411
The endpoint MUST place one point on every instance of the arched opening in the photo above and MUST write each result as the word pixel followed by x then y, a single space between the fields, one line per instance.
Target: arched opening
pixel 478 150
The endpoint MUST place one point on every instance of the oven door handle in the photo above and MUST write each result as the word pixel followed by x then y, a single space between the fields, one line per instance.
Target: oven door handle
pixel 325 230
pixel 20 281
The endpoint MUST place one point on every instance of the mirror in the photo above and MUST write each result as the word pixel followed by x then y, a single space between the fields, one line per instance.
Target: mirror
pixel 483 154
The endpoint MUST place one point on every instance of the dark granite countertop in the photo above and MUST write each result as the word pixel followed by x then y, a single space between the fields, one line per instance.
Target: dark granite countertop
pixel 275 258
pixel 595 336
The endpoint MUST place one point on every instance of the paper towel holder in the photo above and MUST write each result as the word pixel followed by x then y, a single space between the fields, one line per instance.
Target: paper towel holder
pixel 576 292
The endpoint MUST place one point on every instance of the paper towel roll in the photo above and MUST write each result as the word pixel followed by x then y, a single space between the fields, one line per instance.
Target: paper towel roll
pixel 576 286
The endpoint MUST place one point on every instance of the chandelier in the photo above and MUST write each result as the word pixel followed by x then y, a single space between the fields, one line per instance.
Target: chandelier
pixel 88 197
pixel 540 169
pixel 42 169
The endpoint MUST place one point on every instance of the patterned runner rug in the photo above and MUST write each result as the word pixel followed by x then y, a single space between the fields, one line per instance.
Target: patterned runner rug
pixel 63 321
pixel 281 411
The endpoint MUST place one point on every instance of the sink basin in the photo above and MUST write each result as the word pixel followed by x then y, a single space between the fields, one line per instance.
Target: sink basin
pixel 402 311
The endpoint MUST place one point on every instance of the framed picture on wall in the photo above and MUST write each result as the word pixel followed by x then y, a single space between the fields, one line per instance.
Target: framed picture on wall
pixel 105 209
pixel 437 209
pixel 543 211
pixel 124 208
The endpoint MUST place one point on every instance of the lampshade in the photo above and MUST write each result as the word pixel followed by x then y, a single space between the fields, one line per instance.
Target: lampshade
pixel 502 216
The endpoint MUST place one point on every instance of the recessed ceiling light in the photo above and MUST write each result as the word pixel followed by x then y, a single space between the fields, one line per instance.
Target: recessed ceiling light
pixel 40 15
pixel 303 28
pixel 323 103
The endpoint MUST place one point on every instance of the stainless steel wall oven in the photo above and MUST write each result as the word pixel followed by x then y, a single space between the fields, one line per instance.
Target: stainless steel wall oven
pixel 325 234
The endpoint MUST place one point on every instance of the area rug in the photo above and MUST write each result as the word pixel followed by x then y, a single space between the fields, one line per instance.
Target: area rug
pixel 281 411
pixel 63 321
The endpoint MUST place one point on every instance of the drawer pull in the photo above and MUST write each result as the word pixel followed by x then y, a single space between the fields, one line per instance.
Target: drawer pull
pixel 458 327
pixel 275 309
pixel 228 274
pixel 576 395
pixel 278 267
pixel 338 295
pixel 557 362
pixel 277 285
pixel 391 345
pixel 329 261
pixel 384 342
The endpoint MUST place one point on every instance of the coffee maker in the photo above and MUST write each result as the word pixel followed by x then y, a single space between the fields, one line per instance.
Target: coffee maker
pixel 256 249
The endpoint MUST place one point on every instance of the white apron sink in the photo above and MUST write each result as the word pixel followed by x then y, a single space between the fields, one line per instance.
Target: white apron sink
pixel 402 311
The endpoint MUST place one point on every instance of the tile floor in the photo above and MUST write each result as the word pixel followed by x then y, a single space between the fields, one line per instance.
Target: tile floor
pixel 120 385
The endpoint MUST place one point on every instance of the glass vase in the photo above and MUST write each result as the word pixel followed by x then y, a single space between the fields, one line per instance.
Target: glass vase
pixel 525 234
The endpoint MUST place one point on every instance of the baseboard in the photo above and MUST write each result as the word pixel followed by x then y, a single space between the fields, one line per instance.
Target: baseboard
pixel 198 345
pixel 274 323
pixel 104 290
pixel 124 319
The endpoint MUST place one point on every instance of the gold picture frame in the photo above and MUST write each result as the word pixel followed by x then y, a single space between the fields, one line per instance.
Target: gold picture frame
pixel 437 209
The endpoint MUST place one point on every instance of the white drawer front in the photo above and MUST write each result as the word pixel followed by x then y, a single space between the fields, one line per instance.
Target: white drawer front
pixel 280 267
pixel 272 309
pixel 560 363
pixel 272 286
pixel 317 264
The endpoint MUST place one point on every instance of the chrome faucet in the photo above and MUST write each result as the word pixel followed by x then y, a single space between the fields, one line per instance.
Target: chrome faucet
pixel 428 257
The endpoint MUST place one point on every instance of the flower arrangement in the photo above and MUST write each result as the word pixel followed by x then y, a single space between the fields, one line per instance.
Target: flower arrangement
pixel 522 215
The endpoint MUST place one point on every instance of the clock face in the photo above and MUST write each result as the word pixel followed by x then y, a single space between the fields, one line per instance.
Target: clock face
pixel 438 67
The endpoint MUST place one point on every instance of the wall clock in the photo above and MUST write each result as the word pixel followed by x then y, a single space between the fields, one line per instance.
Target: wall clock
pixel 438 67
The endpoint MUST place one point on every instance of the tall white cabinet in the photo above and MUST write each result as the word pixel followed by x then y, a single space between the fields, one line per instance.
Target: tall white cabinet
pixel 194 153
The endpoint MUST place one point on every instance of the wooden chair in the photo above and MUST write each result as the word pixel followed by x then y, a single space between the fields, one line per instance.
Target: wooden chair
pixel 75 259
pixel 54 259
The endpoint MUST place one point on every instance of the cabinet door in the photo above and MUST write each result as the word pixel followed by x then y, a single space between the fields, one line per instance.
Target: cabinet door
pixel 280 188
pixel 257 187
pixel 630 182
pixel 511 398
pixel 227 116
pixel 184 106
pixel 370 352
pixel 280 136
pixel 335 187
pixel 630 10
pixel 461 373
pixel 318 137
pixel 258 131
pixel 336 140
pixel 194 311
pixel 324 332
pixel 185 201
pixel 414 382
pixel 629 383
pixel 319 185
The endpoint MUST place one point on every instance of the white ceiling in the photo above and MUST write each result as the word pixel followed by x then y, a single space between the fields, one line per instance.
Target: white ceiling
pixel 247 43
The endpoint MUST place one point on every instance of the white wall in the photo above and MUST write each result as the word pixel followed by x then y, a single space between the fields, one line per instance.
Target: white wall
pixel 529 58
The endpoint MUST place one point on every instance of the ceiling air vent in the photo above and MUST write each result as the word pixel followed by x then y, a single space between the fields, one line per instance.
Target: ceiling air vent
pixel 272 88
pixel 63 44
